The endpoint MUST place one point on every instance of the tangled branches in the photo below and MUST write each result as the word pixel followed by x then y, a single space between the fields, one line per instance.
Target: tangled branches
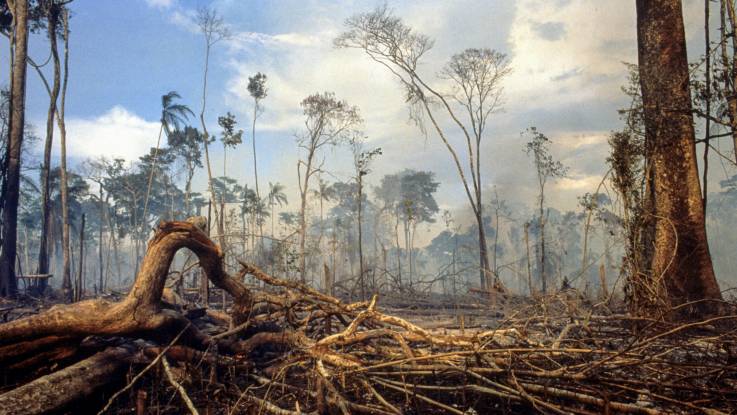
pixel 299 351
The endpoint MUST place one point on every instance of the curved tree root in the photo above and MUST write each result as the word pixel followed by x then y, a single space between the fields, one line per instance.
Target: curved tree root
pixel 140 314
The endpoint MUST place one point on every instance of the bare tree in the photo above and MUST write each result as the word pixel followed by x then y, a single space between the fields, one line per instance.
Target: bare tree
pixel 546 168
pixel 328 121
pixel 681 267
pixel 474 76
pixel 53 12
pixel 214 30
pixel 11 185
pixel 66 284
pixel 362 159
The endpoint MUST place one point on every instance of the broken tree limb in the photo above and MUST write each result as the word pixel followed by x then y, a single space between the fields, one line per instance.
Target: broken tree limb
pixel 58 390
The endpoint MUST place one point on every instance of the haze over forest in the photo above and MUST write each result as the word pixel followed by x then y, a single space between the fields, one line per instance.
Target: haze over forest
pixel 378 207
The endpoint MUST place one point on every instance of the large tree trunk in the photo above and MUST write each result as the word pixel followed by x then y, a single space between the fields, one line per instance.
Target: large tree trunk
pixel 8 282
pixel 43 249
pixel 681 256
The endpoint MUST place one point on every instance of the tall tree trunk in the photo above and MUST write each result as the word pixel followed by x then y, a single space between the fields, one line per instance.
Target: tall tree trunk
pixel 529 262
pixel 255 176
pixel 80 270
pixel 303 216
pixel 66 271
pixel 543 276
pixel 399 253
pixel 484 268
pixel 206 138
pixel 8 282
pixel 100 264
pixel 731 78
pixel 361 271
pixel 707 85
pixel 681 256
pixel 43 248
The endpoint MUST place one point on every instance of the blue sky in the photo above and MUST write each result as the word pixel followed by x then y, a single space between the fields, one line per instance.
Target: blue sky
pixel 566 55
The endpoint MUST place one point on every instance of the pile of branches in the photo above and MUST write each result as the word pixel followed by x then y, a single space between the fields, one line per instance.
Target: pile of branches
pixel 292 350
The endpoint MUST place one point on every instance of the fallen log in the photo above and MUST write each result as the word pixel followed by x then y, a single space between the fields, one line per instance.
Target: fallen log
pixel 58 390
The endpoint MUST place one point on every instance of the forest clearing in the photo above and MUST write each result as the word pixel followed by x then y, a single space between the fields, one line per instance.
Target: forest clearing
pixel 533 216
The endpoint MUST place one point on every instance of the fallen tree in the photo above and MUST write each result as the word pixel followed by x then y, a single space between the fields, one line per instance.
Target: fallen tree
pixel 292 350
pixel 140 314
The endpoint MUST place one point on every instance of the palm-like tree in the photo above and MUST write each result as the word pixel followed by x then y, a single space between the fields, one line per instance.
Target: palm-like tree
pixel 276 196
pixel 324 193
pixel 172 115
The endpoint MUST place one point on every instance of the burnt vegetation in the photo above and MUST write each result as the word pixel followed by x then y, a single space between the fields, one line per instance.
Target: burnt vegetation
pixel 125 290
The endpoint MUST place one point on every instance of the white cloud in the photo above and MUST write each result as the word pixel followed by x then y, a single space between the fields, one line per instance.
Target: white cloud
pixel 117 133
pixel 583 61
pixel 184 18
pixel 161 4
pixel 567 69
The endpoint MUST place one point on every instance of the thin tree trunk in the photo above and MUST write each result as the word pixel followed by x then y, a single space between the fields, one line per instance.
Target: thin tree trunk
pixel 360 241
pixel 303 216
pixel 80 270
pixel 484 268
pixel 529 264
pixel 255 176
pixel 732 100
pixel 543 276
pixel 707 127
pixel 43 249
pixel 206 138
pixel 66 271
pixel 8 282
pixel 681 257
pixel 399 253
pixel 100 264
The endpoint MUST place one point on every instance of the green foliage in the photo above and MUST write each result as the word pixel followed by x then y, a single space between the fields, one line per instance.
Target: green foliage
pixel 545 165
pixel 231 137
pixel 173 115
pixel 410 195
pixel 257 86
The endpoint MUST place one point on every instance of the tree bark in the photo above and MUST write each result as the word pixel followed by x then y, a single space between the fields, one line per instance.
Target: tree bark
pixel 55 392
pixel 681 257
pixel 8 281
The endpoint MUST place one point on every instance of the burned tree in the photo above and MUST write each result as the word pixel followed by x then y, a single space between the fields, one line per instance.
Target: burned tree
pixel 475 77
pixel 328 122
pixel 546 169
pixel 680 269
pixel 11 185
